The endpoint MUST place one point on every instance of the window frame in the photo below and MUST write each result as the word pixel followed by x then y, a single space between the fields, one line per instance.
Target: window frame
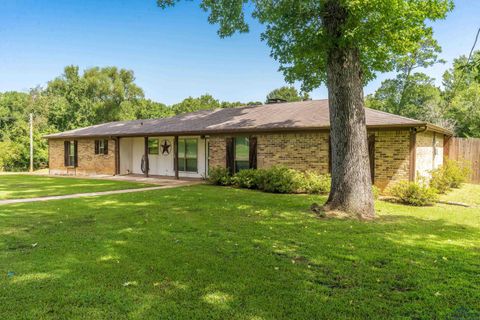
pixel 101 147
pixel 235 160
pixel 150 148
pixel 71 154
pixel 182 161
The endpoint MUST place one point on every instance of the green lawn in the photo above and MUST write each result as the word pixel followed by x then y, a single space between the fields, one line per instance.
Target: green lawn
pixel 29 186
pixel 205 252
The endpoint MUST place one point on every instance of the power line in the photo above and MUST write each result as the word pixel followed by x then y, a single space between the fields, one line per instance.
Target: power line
pixel 468 61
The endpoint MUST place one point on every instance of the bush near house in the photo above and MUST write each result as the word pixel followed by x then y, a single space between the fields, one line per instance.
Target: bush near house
pixel 450 175
pixel 414 193
pixel 219 176
pixel 276 179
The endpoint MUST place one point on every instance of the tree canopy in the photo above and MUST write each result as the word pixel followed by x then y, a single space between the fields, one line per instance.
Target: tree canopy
pixel 454 106
pixel 386 32
pixel 286 93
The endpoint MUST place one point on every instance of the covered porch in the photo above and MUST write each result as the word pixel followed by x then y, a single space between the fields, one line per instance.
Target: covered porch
pixel 163 156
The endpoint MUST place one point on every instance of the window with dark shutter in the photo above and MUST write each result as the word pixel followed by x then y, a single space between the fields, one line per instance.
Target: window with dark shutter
pixel 230 160
pixel 253 153
pixel 71 153
pixel 101 146
pixel 66 159
pixel 75 153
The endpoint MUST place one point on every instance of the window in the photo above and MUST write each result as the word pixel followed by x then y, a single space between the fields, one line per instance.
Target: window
pixel 187 155
pixel 70 153
pixel 101 146
pixel 153 146
pixel 242 152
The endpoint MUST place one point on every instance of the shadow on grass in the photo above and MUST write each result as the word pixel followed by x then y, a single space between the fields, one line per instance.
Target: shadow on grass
pixel 206 252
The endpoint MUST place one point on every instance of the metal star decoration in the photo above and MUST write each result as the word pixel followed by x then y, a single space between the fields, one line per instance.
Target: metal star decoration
pixel 165 147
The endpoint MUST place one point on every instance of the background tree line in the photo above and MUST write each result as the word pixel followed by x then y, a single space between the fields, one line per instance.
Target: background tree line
pixel 99 95
pixel 455 105
pixel 95 96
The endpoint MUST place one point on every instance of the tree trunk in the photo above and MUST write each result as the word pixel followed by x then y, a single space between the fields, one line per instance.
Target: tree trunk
pixel 351 190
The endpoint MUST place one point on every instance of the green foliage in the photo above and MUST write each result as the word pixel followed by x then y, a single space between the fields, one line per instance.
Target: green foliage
pixel 288 94
pixel 384 32
pixel 315 183
pixel 278 179
pixel 148 109
pixel 414 193
pixel 190 104
pixel 450 175
pixel 416 98
pixel 247 178
pixel 97 95
pixel 465 111
pixel 219 176
pixel 8 155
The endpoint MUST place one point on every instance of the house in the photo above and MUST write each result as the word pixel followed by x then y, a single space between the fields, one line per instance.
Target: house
pixel 293 134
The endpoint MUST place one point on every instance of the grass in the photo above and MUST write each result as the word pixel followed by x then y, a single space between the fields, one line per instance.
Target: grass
pixel 15 186
pixel 205 252
pixel 464 195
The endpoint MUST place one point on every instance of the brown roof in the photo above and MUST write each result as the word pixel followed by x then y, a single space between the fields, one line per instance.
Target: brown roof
pixel 304 115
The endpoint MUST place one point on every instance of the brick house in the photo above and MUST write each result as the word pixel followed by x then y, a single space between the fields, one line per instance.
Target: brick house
pixel 293 134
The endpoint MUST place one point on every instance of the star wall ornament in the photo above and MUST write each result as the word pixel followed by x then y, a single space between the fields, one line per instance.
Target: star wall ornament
pixel 166 147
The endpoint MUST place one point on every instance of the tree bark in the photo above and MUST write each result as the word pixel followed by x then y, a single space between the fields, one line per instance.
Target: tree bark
pixel 351 190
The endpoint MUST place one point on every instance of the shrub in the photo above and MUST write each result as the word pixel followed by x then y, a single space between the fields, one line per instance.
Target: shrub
pixel 439 180
pixel 315 183
pixel 219 176
pixel 247 178
pixel 456 172
pixel 414 193
pixel 450 175
pixel 279 179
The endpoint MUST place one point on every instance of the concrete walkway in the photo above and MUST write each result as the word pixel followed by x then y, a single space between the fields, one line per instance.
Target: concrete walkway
pixel 90 194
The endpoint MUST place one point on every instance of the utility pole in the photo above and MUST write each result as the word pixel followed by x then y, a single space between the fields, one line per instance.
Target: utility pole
pixel 31 142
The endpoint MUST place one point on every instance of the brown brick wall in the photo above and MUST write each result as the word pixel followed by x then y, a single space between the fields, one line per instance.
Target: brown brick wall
pixel 88 162
pixel 309 151
pixel 392 157
pixel 217 151
pixel 301 151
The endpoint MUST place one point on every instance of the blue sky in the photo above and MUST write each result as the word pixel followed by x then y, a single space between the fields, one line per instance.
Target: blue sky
pixel 174 53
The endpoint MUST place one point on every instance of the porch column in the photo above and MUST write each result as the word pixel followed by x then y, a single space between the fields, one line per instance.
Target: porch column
pixel 117 155
pixel 147 166
pixel 175 156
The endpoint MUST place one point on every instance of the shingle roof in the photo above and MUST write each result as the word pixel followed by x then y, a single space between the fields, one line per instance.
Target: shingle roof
pixel 302 115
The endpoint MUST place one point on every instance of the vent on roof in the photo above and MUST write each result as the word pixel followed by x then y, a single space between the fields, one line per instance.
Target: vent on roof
pixel 275 100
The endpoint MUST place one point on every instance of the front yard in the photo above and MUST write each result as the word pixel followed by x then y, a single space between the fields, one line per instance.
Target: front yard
pixel 17 186
pixel 208 252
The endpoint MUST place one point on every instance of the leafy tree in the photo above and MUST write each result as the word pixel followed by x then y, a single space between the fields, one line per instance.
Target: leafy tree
pixel 465 111
pixel 288 94
pixel 148 109
pixel 190 104
pixel 341 43
pixel 98 95
pixel 15 108
pixel 421 100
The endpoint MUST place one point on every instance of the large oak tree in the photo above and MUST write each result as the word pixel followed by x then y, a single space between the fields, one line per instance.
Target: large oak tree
pixel 341 43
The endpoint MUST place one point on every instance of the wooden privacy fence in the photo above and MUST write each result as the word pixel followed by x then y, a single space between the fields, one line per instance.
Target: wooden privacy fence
pixel 467 149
